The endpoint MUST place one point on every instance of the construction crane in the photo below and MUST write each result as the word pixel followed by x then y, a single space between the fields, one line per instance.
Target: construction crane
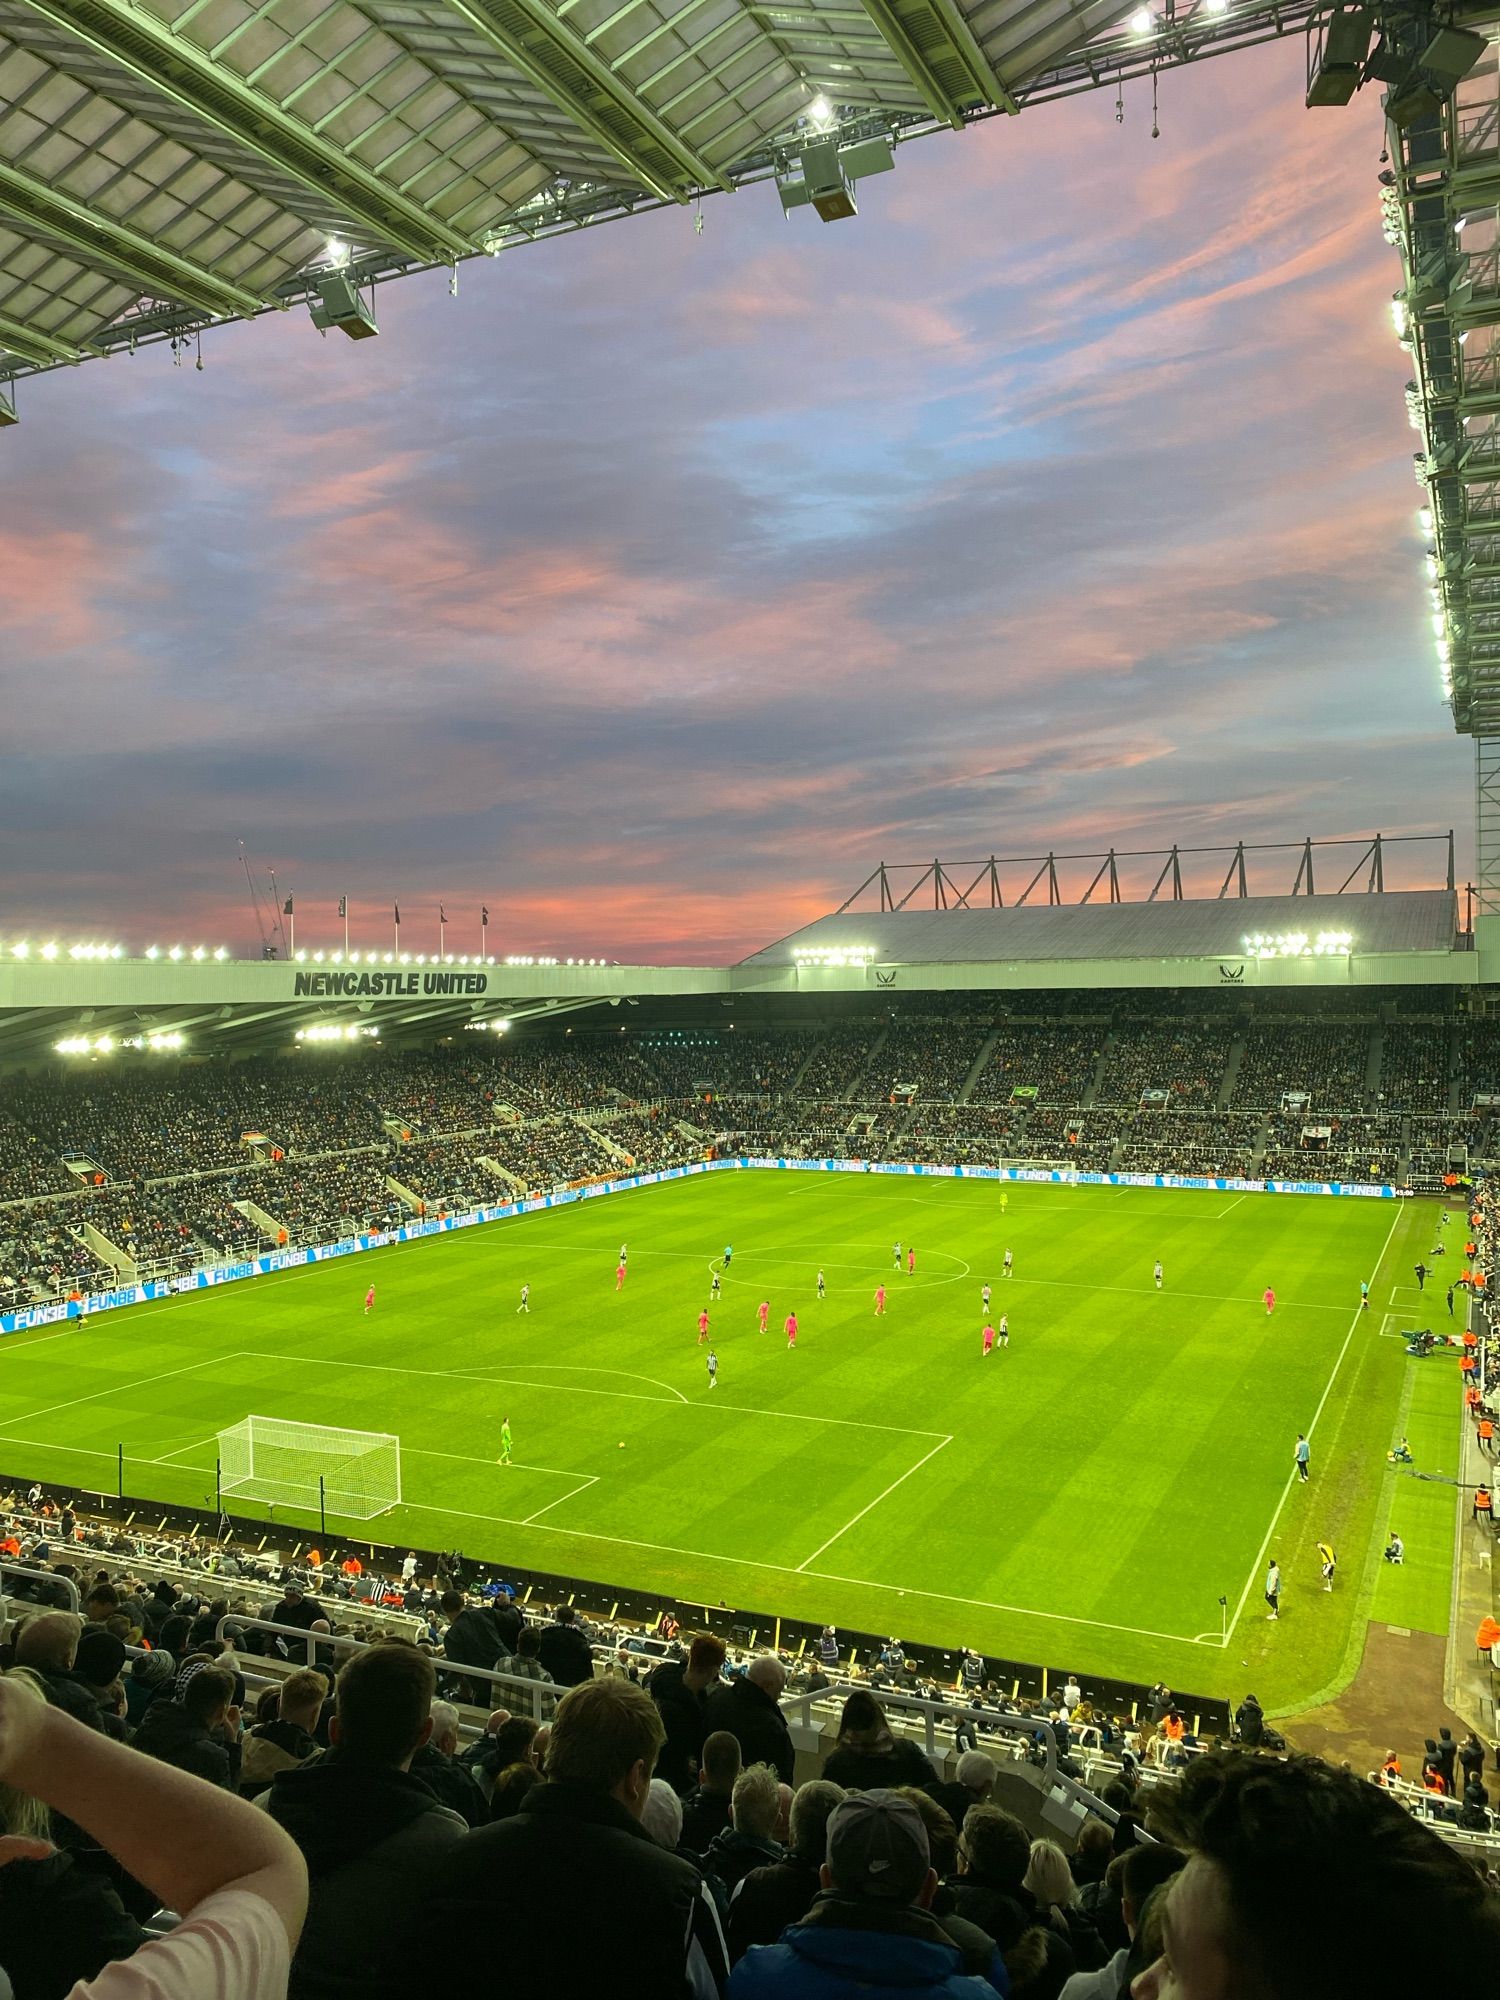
pixel 272 940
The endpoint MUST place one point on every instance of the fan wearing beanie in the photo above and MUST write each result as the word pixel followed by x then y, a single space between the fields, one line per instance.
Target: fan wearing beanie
pixel 870 1924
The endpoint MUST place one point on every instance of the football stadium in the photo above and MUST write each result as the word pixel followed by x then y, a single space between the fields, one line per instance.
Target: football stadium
pixel 939 1441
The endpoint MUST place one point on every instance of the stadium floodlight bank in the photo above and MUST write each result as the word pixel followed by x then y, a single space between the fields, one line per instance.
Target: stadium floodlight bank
pixel 356 1474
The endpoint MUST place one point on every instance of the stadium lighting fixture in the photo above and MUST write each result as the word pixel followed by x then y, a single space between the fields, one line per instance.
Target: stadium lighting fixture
pixel 1142 21
pixel 199 954
pixel 1398 316
pixel 1216 6
pixel 175 953
pixel 221 954
pixel 339 304
pixel 336 250
pixel 49 950
pixel 1297 944
pixel 1424 520
pixel 153 951
pixel 172 1039
pixel 21 949
pixel 298 956
pixel 835 956
pixel 330 1031
pixel 820 113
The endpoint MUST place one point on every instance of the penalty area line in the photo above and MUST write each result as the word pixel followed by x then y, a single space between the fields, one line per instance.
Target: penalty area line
pixel 925 1459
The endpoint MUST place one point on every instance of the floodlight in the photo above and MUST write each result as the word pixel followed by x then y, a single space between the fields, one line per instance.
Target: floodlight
pixel 339 304
pixel 153 951
pixel 337 253
pixel 1336 60
pixel 175 953
pixel 199 954
pixel 221 954
pixel 49 951
pixel 820 112
pixel 1142 21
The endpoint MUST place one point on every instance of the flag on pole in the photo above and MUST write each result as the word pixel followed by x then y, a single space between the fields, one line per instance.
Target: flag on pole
pixel 484 917
pixel 397 908
pixel 442 914
pixel 343 906
pixel 286 908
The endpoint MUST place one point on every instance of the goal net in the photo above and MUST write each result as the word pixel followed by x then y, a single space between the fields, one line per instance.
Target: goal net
pixel 280 1464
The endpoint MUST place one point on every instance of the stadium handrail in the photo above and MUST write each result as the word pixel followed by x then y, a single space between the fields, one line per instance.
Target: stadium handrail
pixel 516 1684
pixel 51 1577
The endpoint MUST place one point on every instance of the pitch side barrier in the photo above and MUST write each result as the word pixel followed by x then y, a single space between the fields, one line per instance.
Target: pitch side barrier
pixel 208 1275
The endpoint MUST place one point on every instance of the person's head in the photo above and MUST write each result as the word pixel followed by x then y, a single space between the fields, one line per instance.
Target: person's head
pixel 1048 1876
pixel 755 1802
pixel 767 1673
pixel 1138 1873
pixel 605 1738
pixel 383 1712
pixel 719 1762
pixel 512 1741
pixel 528 1642
pixel 878 1853
pixel 942 1834
pixel 300 1699
pixel 450 1604
pixel 1091 1850
pixel 100 1659
pixel 705 1660
pixel 207 1696
pixel 1294 1871
pixel 564 1614
pixel 444 1728
pixel 539 1744
pixel 811 1805
pixel 863 1721
pixel 102 1602
pixel 511 1785
pixel 994 1844
pixel 975 1771
pixel 49 1643
pixel 661 1815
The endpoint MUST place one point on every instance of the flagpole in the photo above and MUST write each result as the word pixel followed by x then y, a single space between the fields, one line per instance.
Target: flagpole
pixel 344 913
pixel 396 912
pixel 291 929
pixel 442 932
pixel 484 925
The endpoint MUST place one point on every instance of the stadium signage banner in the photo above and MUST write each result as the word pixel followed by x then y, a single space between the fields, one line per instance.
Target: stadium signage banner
pixel 387 985
pixel 285 1260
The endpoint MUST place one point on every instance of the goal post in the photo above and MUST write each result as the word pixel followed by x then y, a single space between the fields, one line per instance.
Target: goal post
pixel 354 1473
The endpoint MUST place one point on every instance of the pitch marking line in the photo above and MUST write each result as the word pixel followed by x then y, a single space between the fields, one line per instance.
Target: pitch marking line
pixel 573 1368
pixel 118 1388
pixel 571 1389
pixel 925 1459
pixel 1291 1477
pixel 591 1480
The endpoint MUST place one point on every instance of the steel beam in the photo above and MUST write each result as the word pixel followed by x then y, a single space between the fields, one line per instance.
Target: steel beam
pixel 31 344
pixel 965 44
pixel 102 244
pixel 147 49
pixel 893 33
pixel 552 58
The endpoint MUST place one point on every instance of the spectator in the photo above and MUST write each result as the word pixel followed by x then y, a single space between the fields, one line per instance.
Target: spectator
pixel 511 1787
pixel 236 1880
pixel 1091 1853
pixel 98 1665
pixel 870 1925
pixel 48 1644
pixel 198 1730
pixel 868 1757
pixel 749 1841
pixel 747 1708
pixel 583 1886
pixel 680 1690
pixel 1295 1870
pixel 782 1892
pixel 436 1764
pixel 564 1651
pixel 705 1812
pixel 288 1739
pixel 1250 1722
pixel 58 1922
pixel 973 1781
pixel 995 1853
pixel 525 1663
pixel 980 1953
pixel 1135 1881
pixel 1049 1881
pixel 366 1826
pixel 474 1637
pixel 661 1816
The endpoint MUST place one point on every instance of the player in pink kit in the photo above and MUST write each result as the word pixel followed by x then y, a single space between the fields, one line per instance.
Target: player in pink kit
pixel 703 1326
pixel 911 1262
pixel 879 1301
pixel 619 1276
pixel 369 1298
pixel 1270 1301
pixel 791 1329
pixel 764 1310
pixel 989 1340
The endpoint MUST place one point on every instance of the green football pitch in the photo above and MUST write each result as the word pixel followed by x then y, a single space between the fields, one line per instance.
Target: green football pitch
pixel 1082 1498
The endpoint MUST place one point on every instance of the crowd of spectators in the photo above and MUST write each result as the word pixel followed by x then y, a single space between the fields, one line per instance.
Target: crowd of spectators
pixel 1414 1067
pixel 837 1058
pixel 638 1819
pixel 1186 1059
pixel 1056 1061
pixel 1328 1059
pixel 929 1059
pixel 41 1257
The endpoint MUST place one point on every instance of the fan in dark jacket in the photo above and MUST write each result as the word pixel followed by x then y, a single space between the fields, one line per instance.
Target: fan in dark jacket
pixel 747 1708
pixel 1250 1722
pixel 367 1828
pixel 680 1690
pixel 705 1810
pixel 49 1646
pixel 574 1873
pixel 772 1897
pixel 991 1893
pixel 564 1651
pixel 198 1731
pixel 868 1757
pixel 749 1841
pixel 59 1923
pixel 436 1764
pixel 475 1637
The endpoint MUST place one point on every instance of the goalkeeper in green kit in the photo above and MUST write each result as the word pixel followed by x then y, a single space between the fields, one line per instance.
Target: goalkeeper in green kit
pixel 504 1458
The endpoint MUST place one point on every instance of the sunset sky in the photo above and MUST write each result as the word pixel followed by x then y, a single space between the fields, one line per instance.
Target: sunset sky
pixel 660 584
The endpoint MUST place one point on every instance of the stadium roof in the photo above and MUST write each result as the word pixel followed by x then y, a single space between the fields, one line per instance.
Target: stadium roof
pixel 171 164
pixel 1413 920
